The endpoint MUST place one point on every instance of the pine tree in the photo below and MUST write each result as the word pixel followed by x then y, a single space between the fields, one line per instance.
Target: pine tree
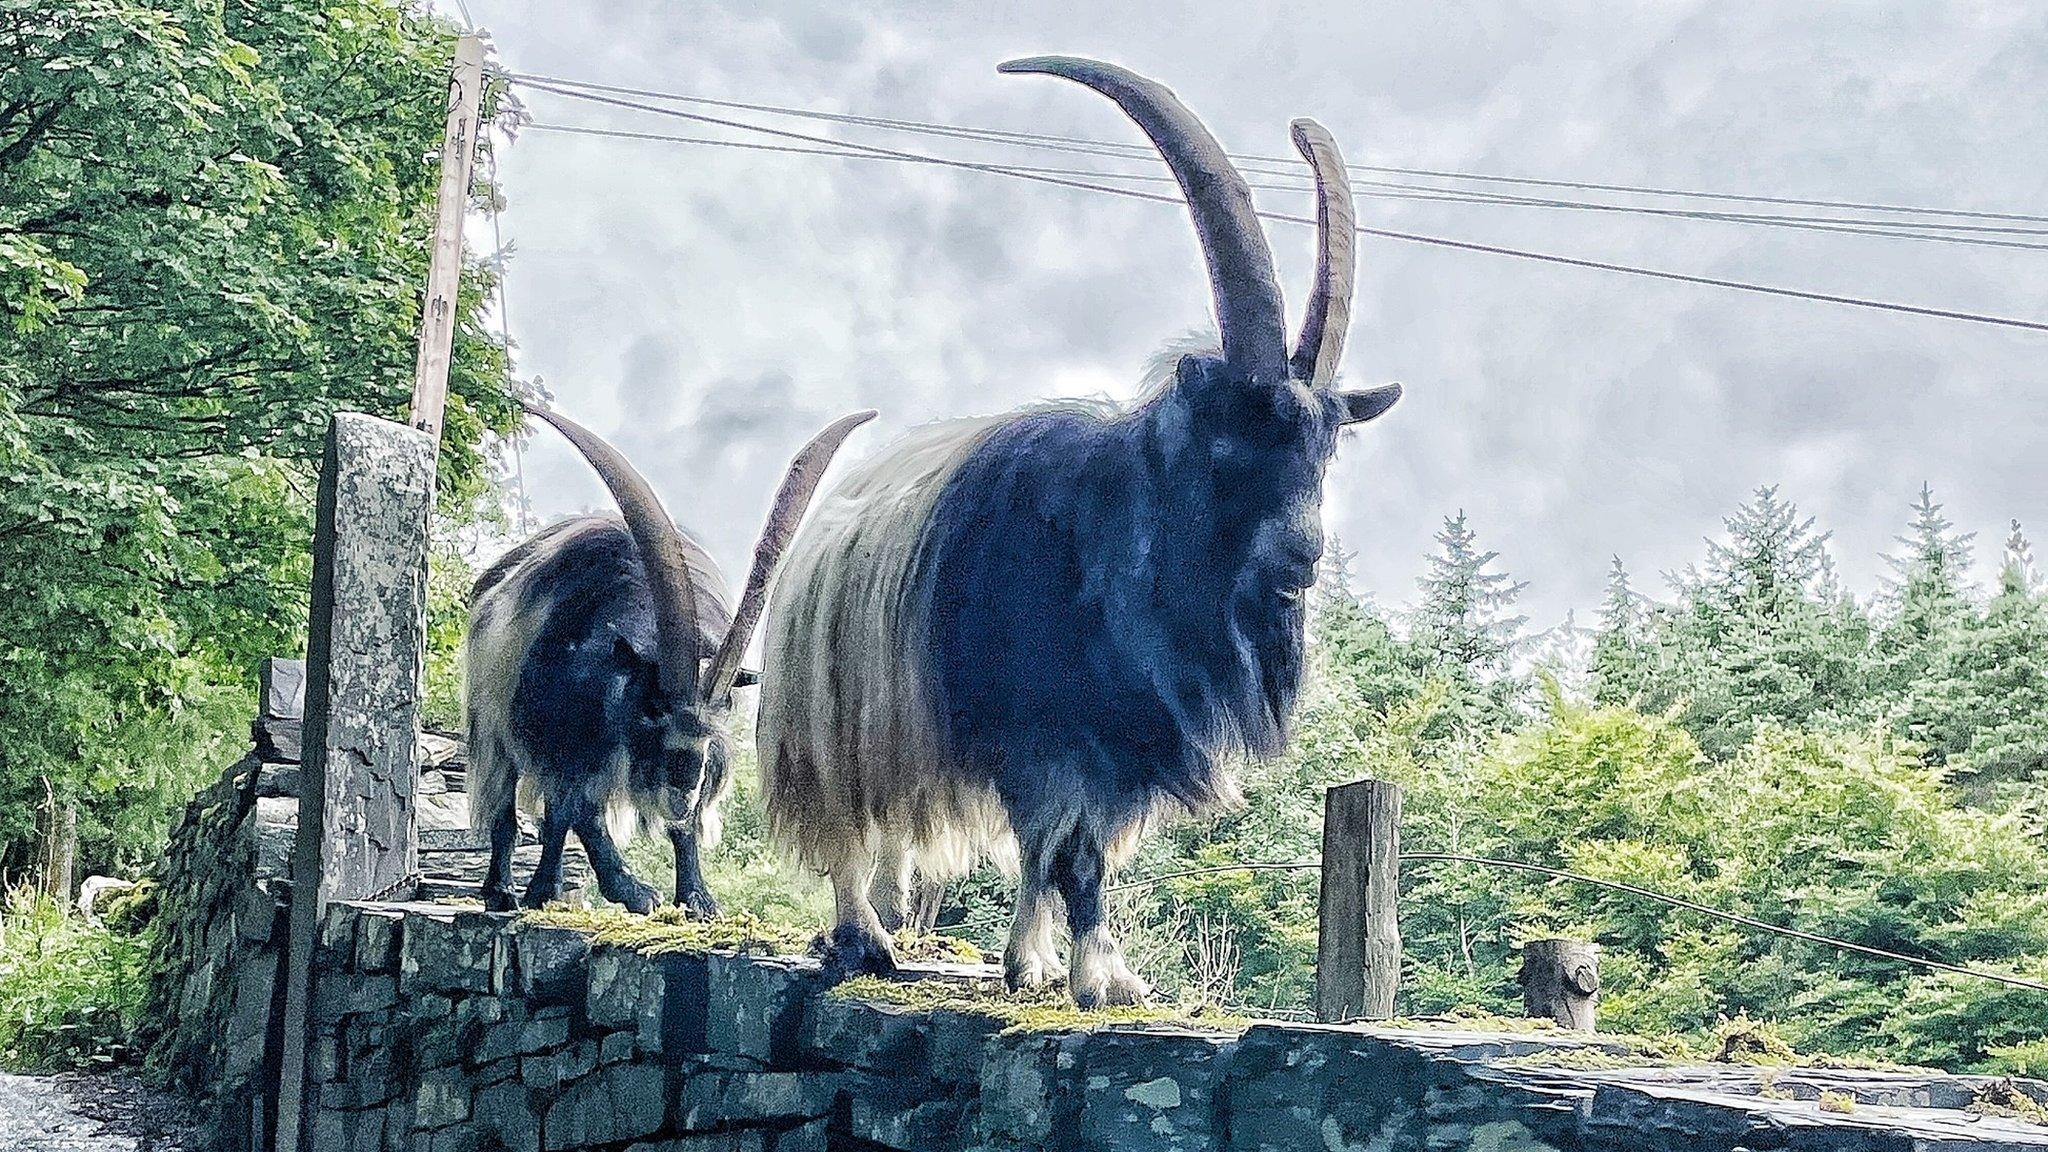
pixel 1465 634
pixel 1982 704
pixel 1565 654
pixel 1929 586
pixel 1465 619
pixel 1773 563
pixel 2016 573
pixel 1622 642
pixel 1763 633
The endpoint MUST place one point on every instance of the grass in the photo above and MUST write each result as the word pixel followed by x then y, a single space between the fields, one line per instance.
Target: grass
pixel 71 992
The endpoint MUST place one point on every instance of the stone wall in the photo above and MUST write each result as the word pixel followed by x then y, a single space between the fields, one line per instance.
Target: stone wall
pixel 223 898
pixel 448 1030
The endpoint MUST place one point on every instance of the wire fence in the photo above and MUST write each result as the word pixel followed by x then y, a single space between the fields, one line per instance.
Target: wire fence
pixel 591 93
pixel 1612 885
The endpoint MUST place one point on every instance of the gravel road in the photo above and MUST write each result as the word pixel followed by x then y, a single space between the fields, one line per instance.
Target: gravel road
pixel 100 1112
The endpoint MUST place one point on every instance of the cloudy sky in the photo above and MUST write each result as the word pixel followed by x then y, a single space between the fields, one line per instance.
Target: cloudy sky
pixel 710 308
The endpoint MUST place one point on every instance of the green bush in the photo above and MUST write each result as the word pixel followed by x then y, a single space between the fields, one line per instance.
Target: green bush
pixel 71 991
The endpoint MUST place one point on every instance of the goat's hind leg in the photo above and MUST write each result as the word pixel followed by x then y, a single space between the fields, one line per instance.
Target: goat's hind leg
pixel 498 893
pixel 857 944
pixel 545 886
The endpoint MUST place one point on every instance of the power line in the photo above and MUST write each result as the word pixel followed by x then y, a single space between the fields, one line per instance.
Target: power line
pixel 1389 234
pixel 1140 152
pixel 1618 886
pixel 1360 190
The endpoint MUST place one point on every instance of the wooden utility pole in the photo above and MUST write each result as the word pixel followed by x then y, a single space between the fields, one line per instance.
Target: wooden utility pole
pixel 437 316
pixel 1358 936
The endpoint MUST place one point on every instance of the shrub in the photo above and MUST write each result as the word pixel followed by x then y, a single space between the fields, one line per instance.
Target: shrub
pixel 70 991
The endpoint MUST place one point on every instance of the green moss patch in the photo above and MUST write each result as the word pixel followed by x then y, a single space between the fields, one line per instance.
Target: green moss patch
pixel 669 930
pixel 1039 1010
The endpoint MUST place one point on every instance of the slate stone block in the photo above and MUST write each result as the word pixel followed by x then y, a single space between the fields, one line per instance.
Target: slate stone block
pixel 711 1100
pixel 504 1112
pixel 441 1098
pixel 756 1005
pixel 377 935
pixel 897 1120
pixel 550 964
pixel 450 954
pixel 1029 1091
pixel 1291 1086
pixel 1151 1090
pixel 624 991
pixel 619 1103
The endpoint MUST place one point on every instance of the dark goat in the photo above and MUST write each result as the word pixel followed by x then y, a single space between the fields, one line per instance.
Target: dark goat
pixel 584 692
pixel 1062 623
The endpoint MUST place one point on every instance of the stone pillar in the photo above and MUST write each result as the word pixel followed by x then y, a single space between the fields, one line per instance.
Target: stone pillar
pixel 365 661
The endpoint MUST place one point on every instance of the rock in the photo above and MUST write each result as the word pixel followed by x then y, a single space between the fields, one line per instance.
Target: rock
pixel 505 1112
pixel 1151 1090
pixel 717 1099
pixel 756 1005
pixel 622 1102
pixel 447 955
pixel 1028 1090
pixel 550 964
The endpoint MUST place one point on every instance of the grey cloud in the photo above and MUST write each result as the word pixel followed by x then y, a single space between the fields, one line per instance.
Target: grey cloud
pixel 714 307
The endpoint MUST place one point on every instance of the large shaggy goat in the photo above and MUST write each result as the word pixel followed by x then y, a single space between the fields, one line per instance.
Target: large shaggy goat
pixel 601 655
pixel 1062 623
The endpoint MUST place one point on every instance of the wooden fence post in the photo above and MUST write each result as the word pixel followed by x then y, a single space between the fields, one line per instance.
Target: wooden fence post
pixel 365 660
pixel 1358 936
pixel 1559 980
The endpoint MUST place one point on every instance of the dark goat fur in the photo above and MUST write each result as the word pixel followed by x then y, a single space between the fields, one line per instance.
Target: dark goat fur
pixel 1062 623
pixel 571 611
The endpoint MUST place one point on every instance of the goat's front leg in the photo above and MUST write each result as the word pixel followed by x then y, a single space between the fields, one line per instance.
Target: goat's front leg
pixel 617 884
pixel 1097 974
pixel 692 895
pixel 1031 957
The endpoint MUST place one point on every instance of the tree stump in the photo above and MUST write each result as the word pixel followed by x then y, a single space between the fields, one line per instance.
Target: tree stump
pixel 1560 979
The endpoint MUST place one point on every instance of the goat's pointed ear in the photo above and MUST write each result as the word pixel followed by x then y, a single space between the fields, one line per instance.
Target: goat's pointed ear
pixel 1367 403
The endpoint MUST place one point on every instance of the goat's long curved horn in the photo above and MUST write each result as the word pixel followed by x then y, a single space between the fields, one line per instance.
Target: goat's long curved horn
pixel 784 515
pixel 1248 310
pixel 661 554
pixel 1328 315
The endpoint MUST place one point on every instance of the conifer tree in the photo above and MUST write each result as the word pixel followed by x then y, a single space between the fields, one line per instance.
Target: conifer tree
pixel 1927 595
pixel 1622 643
pixel 1466 616
pixel 1465 632
pixel 1764 632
